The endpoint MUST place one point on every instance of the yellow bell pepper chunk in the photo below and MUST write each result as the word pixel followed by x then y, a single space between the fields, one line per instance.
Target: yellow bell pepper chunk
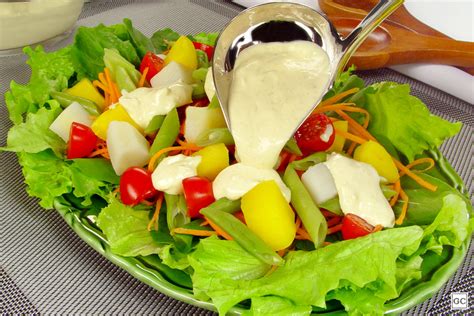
pixel 269 215
pixel 85 89
pixel 214 159
pixel 118 113
pixel 183 52
pixel 339 141
pixel 375 155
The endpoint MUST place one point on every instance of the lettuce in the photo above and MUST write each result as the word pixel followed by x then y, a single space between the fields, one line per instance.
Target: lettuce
pixel 49 72
pixel 365 265
pixel 46 175
pixel 126 230
pixel 88 49
pixel 34 135
pixel 362 273
pixel 405 120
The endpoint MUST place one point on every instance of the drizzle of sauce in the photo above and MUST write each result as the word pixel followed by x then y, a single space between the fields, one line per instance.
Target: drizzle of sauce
pixel 274 87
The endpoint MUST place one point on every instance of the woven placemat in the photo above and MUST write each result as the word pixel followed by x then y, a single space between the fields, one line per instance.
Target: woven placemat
pixel 45 268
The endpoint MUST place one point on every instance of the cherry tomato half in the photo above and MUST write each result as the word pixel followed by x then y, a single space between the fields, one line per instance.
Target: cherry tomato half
pixel 135 186
pixel 316 134
pixel 209 50
pixel 353 226
pixel 198 194
pixel 82 141
pixel 154 64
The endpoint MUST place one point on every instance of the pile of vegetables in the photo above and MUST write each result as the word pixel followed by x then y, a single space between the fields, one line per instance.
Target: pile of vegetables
pixel 81 145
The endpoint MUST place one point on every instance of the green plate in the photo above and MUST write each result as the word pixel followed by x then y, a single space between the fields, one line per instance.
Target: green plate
pixel 156 279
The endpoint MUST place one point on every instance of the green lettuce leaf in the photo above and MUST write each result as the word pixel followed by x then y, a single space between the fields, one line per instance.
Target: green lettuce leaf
pixel 405 120
pixel 126 230
pixel 121 70
pixel 367 263
pixel 276 306
pixel 46 175
pixel 452 225
pixel 142 43
pixel 206 38
pixel 49 72
pixel 88 49
pixel 163 39
pixel 34 135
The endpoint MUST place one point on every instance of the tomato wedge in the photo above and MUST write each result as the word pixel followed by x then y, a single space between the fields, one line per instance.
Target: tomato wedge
pixel 198 194
pixel 153 63
pixel 136 186
pixel 82 141
pixel 354 226
pixel 316 134
pixel 208 49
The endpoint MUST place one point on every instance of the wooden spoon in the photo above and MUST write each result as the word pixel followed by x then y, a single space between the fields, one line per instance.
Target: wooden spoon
pixel 403 24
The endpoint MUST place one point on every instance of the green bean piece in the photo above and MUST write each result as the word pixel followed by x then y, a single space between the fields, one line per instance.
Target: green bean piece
pixel 200 74
pixel 310 215
pixel 214 136
pixel 242 235
pixel 226 205
pixel 292 147
pixel 214 103
pixel 155 124
pixel 198 91
pixel 167 133
pixel 332 206
pixel 65 99
pixel 309 161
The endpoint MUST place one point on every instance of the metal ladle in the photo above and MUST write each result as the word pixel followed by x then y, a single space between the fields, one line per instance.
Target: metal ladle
pixel 284 22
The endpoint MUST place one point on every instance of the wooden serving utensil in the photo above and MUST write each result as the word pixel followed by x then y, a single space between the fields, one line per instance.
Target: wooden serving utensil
pixel 401 39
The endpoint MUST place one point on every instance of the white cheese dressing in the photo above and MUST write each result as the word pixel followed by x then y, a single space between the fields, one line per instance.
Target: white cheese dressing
pixel 171 171
pixel 358 186
pixel 237 179
pixel 274 86
pixel 143 104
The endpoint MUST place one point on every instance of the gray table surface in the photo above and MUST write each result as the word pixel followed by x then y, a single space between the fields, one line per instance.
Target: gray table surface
pixel 45 268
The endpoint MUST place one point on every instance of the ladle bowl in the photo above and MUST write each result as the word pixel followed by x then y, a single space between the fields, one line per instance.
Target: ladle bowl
pixel 284 22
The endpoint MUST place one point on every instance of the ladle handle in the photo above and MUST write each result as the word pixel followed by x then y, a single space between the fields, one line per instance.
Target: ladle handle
pixel 373 19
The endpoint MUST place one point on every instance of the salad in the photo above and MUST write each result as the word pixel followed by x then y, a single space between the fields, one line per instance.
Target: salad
pixel 125 132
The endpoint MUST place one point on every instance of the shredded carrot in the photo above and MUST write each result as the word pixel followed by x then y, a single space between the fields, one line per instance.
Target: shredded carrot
pixel 303 233
pixel 349 107
pixel 397 188
pixel 194 232
pixel 156 214
pixel 339 97
pixel 103 79
pixel 420 161
pixel 116 91
pixel 189 146
pixel 182 128
pixel 415 177
pixel 101 86
pixel 327 243
pixel 154 158
pixel 141 82
pixel 351 148
pixel 218 230
pixel 349 136
pixel 377 228
pixel 282 252
pixel 356 126
pixel 334 229
pixel 403 213
pixel 100 152
pixel 205 223
pixel 272 269
pixel 328 214
pixel 298 223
